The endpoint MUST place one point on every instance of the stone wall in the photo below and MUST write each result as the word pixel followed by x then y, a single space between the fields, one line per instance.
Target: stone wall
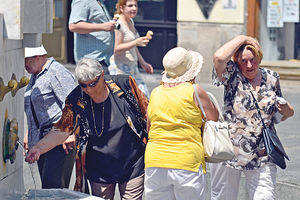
pixel 21 25
pixel 11 62
pixel 206 38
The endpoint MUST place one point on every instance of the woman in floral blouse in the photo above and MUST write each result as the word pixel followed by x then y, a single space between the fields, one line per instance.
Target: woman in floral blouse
pixel 236 67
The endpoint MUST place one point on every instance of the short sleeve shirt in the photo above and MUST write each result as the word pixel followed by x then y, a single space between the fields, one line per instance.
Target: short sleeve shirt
pixel 240 112
pixel 46 94
pixel 96 45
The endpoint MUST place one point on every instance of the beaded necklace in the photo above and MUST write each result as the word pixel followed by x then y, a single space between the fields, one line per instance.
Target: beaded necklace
pixel 93 113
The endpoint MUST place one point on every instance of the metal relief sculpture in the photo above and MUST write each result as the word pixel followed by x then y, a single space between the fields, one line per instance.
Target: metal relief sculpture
pixel 22 83
pixel 12 86
pixel 9 139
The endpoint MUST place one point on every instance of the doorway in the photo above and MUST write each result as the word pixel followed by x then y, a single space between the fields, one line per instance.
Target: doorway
pixel 55 43
pixel 160 16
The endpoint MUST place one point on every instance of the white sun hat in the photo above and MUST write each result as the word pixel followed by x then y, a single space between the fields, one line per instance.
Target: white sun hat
pixel 181 65
pixel 35 51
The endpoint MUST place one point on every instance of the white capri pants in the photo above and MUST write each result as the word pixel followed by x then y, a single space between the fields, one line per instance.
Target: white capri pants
pixel 260 182
pixel 171 184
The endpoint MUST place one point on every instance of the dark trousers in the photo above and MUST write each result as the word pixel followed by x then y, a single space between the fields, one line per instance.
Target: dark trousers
pixel 104 66
pixel 55 168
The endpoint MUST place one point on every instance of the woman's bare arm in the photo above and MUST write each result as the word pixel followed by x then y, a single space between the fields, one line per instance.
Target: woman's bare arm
pixel 51 140
pixel 121 46
pixel 210 109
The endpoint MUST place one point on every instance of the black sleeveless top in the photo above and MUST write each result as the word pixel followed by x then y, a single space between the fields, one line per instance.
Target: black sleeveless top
pixel 117 155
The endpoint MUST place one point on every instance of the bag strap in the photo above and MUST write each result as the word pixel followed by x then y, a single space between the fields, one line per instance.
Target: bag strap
pixel 258 110
pixel 199 102
pixel 214 101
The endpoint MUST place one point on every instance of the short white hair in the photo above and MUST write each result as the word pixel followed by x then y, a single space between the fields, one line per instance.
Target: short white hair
pixel 87 69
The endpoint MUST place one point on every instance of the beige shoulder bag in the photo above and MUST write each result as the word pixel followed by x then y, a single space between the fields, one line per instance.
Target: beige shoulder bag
pixel 216 141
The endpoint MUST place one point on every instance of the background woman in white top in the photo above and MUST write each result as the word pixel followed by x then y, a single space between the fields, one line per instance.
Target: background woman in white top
pixel 126 54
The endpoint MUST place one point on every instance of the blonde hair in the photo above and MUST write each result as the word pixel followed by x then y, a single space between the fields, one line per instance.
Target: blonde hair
pixel 119 4
pixel 257 53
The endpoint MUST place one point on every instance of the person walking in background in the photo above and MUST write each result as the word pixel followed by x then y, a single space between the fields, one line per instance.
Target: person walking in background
pixel 174 157
pixel 93 31
pixel 110 112
pixel 126 54
pixel 236 67
pixel 49 85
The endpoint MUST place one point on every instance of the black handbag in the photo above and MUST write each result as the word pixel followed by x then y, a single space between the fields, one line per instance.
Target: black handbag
pixel 273 146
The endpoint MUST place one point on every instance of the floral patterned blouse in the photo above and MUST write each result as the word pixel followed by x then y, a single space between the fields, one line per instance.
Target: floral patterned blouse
pixel 240 112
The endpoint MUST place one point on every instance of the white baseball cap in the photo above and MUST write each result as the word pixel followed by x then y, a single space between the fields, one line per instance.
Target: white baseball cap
pixel 35 51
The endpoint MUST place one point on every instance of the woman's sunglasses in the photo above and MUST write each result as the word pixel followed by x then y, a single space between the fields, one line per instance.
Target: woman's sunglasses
pixel 92 84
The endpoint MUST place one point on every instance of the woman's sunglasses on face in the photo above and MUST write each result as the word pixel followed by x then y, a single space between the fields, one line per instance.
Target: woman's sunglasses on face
pixel 92 84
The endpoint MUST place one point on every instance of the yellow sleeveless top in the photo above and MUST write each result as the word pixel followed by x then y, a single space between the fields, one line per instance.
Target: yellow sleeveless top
pixel 175 137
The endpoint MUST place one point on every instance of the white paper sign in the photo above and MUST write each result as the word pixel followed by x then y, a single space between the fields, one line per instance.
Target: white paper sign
pixel 291 11
pixel 229 4
pixel 275 14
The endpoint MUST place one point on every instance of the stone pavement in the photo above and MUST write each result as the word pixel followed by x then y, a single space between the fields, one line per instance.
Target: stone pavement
pixel 288 180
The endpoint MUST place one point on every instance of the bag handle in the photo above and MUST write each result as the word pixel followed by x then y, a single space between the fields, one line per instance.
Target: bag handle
pixel 214 101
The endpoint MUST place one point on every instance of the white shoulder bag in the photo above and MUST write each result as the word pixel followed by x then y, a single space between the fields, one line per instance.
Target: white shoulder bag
pixel 216 141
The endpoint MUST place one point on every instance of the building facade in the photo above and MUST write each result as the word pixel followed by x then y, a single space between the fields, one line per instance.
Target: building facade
pixel 200 25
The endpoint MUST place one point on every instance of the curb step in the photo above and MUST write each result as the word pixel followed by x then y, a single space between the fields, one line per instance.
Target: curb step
pixel 288 70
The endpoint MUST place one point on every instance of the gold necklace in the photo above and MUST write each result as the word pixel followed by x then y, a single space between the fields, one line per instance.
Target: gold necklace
pixel 93 113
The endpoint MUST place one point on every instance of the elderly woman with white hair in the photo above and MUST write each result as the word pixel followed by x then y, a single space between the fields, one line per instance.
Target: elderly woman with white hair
pixel 174 158
pixel 107 115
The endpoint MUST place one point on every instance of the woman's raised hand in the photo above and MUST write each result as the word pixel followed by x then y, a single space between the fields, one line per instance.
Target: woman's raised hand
pixel 252 41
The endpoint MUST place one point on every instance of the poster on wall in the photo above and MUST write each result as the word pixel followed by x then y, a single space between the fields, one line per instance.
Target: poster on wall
pixel 291 11
pixel 211 11
pixel 275 14
pixel 229 4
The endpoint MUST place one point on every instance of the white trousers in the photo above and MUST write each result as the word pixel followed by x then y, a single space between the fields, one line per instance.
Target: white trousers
pixel 171 184
pixel 260 182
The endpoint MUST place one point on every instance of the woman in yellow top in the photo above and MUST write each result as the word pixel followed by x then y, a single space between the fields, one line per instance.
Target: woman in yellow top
pixel 174 158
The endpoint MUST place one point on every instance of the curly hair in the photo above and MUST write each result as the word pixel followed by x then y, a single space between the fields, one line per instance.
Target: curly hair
pixel 87 69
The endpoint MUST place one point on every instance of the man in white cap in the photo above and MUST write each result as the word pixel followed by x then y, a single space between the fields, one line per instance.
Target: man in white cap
pixel 49 85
